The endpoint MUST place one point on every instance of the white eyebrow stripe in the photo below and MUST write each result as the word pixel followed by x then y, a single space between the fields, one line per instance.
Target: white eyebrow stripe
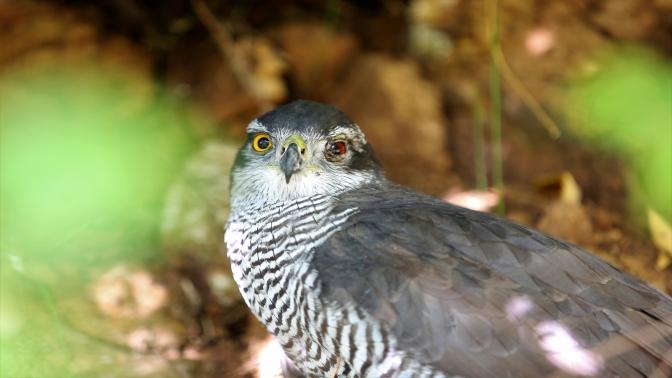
pixel 342 130
pixel 256 127
pixel 350 131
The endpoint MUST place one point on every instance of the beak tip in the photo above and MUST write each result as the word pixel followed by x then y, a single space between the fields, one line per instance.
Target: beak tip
pixel 291 161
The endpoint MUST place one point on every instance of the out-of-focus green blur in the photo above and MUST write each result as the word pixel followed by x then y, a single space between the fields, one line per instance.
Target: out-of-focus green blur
pixel 80 149
pixel 627 106
pixel 86 156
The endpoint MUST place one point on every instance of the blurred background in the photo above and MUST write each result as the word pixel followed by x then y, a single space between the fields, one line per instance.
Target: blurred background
pixel 119 120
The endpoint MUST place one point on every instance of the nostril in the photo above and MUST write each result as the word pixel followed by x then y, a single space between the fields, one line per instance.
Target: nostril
pixel 283 150
pixel 303 151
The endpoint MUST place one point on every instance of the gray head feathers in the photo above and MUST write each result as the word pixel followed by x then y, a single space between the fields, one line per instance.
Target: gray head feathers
pixel 299 150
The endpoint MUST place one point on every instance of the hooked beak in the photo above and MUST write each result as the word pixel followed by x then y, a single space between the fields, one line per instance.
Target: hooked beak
pixel 292 159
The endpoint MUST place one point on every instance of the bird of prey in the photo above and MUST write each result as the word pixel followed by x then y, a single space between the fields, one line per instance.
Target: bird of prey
pixel 356 276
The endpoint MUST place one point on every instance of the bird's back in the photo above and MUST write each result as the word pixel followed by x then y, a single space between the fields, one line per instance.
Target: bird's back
pixel 474 295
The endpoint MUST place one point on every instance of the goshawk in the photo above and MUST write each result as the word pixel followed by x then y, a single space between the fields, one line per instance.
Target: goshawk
pixel 356 276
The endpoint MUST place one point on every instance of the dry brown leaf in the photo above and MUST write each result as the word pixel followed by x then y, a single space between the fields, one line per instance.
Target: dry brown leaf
pixel 567 189
pixel 661 234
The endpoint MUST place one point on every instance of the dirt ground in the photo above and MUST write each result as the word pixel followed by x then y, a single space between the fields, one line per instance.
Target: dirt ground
pixel 145 289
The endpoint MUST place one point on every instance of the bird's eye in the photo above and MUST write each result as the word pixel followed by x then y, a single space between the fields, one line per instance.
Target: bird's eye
pixel 336 148
pixel 262 142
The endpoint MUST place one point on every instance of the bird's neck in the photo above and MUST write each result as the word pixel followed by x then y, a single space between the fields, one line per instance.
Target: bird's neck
pixel 246 197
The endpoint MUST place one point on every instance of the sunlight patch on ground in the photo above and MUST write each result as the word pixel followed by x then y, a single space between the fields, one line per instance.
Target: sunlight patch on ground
pixel 122 293
pixel 473 199
pixel 267 355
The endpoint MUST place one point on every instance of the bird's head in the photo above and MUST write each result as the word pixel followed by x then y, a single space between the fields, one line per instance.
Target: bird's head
pixel 300 150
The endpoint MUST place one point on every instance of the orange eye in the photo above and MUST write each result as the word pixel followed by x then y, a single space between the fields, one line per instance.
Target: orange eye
pixel 262 142
pixel 337 148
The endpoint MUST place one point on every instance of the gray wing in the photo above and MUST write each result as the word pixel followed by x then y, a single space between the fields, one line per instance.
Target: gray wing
pixel 480 296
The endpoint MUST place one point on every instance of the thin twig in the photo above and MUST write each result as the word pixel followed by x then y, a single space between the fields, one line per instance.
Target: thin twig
pixel 527 97
pixel 338 366
pixel 227 47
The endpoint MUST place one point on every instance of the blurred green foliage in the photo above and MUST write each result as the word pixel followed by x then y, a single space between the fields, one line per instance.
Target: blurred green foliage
pixel 86 156
pixel 627 106
pixel 84 150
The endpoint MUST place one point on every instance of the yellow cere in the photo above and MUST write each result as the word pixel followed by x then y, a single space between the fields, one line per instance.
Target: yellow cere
pixel 296 139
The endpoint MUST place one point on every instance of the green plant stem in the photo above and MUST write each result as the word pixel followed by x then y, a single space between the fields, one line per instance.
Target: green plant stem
pixel 332 13
pixel 57 323
pixel 495 108
pixel 478 135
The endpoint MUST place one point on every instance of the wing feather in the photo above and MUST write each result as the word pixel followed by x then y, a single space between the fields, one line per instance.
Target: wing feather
pixel 479 296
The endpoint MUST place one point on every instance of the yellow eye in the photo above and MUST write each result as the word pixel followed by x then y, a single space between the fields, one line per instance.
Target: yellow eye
pixel 262 142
